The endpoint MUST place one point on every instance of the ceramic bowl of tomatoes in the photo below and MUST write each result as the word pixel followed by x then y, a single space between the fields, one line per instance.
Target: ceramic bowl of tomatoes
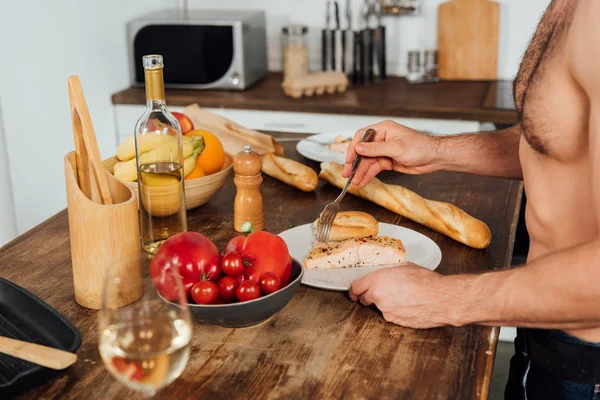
pixel 252 279
pixel 249 312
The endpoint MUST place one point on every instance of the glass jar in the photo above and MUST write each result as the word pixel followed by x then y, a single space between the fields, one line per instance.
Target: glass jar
pixel 295 51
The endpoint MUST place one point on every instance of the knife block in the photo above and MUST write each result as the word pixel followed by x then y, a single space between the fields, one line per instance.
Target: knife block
pixel 103 236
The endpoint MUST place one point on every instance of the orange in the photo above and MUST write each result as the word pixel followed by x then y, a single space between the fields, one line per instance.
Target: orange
pixel 196 172
pixel 212 158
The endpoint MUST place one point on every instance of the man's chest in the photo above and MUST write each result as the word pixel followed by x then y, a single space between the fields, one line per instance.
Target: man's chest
pixel 552 106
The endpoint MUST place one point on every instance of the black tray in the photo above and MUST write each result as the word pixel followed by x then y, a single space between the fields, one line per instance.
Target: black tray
pixel 24 316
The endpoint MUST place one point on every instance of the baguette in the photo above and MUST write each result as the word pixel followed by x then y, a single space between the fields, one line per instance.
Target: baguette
pixel 442 217
pixel 289 171
pixel 351 224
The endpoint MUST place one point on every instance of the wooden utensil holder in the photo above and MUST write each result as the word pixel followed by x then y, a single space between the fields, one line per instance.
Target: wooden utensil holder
pixel 103 235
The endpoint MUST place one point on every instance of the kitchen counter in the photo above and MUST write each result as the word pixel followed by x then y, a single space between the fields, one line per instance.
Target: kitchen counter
pixel 485 101
pixel 321 345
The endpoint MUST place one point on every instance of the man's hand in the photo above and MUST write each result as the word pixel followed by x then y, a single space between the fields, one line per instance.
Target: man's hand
pixel 408 295
pixel 395 147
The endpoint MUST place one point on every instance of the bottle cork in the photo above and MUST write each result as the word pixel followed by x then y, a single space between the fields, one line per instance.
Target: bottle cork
pixel 248 204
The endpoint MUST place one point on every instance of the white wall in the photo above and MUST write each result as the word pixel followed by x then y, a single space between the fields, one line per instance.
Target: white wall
pixel 7 217
pixel 43 42
pixel 518 21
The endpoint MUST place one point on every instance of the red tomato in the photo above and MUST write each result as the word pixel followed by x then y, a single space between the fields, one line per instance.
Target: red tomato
pixel 263 252
pixel 235 245
pixel 205 292
pixel 232 264
pixel 269 283
pixel 248 290
pixel 227 287
pixel 192 254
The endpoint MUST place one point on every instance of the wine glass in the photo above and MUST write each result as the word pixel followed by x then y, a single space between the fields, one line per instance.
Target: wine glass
pixel 145 343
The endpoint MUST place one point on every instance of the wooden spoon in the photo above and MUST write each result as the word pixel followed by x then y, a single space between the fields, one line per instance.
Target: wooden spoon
pixel 86 146
pixel 36 353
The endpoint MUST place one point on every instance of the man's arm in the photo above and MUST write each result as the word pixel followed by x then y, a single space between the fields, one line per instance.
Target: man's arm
pixel 402 149
pixel 493 153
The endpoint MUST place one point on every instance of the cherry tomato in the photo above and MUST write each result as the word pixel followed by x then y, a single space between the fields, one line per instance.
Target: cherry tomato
pixel 205 292
pixel 232 264
pixel 227 287
pixel 269 283
pixel 248 290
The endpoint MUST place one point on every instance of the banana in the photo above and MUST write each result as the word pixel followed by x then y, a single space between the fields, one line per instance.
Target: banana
pixel 126 171
pixel 155 148
pixel 197 142
pixel 126 150
pixel 190 162
pixel 168 151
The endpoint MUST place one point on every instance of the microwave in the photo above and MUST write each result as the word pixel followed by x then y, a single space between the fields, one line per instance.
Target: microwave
pixel 201 49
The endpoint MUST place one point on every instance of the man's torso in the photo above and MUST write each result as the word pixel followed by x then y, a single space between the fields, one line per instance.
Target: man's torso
pixel 554 143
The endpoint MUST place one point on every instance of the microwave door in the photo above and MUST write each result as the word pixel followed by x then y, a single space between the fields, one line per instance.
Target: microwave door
pixel 194 55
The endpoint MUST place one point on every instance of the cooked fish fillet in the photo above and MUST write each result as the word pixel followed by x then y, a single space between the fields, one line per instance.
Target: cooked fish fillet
pixel 369 251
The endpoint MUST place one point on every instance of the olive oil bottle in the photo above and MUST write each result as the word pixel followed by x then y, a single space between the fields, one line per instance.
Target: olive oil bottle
pixel 160 165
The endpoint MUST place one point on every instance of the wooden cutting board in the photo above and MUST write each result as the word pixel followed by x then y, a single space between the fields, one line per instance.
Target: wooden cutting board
pixel 468 39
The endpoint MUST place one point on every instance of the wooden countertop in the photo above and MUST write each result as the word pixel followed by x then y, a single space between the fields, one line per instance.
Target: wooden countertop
pixel 321 345
pixel 394 97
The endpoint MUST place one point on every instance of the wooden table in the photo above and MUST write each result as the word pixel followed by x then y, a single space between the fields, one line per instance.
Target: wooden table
pixel 485 101
pixel 321 345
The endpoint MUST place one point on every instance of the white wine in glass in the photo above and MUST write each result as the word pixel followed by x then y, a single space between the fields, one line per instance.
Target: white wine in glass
pixel 145 345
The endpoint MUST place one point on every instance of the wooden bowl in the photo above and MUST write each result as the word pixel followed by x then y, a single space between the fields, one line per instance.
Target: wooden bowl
pixel 197 191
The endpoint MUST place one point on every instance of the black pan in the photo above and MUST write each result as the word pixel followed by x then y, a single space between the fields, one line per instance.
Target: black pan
pixel 25 317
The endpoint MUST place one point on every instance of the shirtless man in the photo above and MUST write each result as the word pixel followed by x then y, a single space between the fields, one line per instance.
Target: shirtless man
pixel 555 149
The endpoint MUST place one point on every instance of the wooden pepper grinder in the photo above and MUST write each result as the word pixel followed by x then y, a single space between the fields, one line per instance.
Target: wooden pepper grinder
pixel 248 204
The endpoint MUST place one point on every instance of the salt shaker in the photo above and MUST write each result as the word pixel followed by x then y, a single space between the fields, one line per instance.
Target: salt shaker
pixel 248 204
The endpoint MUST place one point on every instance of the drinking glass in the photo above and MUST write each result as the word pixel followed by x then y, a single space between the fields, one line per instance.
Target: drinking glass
pixel 144 344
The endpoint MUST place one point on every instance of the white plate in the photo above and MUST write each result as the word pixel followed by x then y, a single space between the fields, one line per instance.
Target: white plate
pixel 320 152
pixel 419 249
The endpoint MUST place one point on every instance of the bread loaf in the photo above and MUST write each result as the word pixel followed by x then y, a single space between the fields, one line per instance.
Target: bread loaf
pixel 289 171
pixel 442 217
pixel 351 224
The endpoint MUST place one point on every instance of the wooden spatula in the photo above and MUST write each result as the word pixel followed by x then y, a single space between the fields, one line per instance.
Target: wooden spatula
pixel 42 355
pixel 86 146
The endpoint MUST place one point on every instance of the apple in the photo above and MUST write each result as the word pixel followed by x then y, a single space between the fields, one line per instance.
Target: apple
pixel 192 254
pixel 184 121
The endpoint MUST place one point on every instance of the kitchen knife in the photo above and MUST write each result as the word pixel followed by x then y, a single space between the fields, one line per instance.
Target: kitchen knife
pixel 338 49
pixel 381 57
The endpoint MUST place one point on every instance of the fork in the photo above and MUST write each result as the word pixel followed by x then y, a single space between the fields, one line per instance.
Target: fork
pixel 330 211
